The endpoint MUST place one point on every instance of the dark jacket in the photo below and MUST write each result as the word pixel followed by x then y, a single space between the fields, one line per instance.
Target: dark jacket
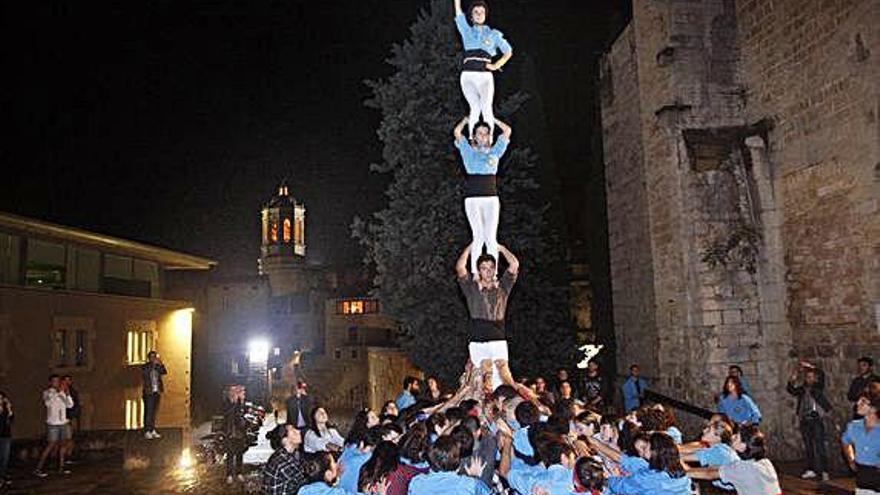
pixel 295 404
pixel 859 384
pixel 145 376
pixel 817 390
pixel 5 424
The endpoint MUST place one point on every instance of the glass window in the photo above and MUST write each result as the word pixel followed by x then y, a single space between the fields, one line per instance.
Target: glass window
pixel 147 271
pixel 117 267
pixel 61 348
pixel 46 264
pixel 134 414
pixel 79 348
pixel 141 339
pixel 286 230
pixel 352 335
pixel 10 258
pixel 85 269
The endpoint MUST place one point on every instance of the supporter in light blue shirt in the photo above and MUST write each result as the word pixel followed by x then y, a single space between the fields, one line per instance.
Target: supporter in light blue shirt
pixel 482 160
pixel 353 458
pixel 321 473
pixel 633 464
pixel 556 474
pixel 719 437
pixel 634 389
pixel 443 479
pixel 665 474
pixel 736 371
pixel 675 434
pixel 738 407
pixel 861 440
pixel 407 398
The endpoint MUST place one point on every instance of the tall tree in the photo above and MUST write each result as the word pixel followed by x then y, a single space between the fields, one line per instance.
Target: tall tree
pixel 413 243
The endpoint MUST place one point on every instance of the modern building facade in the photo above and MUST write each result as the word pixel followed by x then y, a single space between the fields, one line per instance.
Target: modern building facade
pixel 90 306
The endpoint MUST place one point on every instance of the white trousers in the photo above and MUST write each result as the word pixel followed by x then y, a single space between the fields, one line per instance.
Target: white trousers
pixel 865 491
pixel 479 91
pixel 495 349
pixel 483 213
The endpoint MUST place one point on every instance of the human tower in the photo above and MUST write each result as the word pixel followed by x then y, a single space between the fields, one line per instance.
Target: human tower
pixel 485 291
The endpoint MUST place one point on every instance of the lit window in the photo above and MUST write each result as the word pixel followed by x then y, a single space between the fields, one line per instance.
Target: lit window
pixel 299 231
pixel 141 337
pixel 134 414
pixel 274 232
pixel 286 230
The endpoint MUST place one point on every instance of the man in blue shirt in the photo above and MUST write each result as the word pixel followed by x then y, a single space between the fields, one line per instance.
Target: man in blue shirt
pixel 634 389
pixel 408 397
pixel 444 459
pixel 481 203
pixel 861 443
pixel 354 457
pixel 481 43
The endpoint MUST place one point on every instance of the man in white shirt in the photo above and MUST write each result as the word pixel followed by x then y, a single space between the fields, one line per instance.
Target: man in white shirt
pixel 57 401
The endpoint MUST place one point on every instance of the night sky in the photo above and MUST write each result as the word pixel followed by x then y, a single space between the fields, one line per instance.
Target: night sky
pixel 171 122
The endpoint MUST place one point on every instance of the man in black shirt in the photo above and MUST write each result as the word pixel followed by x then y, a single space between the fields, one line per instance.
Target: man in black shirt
pixel 299 406
pixel 283 473
pixel 487 304
pixel 861 381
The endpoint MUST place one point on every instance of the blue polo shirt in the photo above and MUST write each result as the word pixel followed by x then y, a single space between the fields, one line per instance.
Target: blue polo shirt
pixel 321 488
pixel 633 464
pixel 631 399
pixel 717 455
pixel 351 462
pixel 865 443
pixel 404 400
pixel 741 410
pixel 481 37
pixel 649 482
pixel 556 479
pixel 447 483
pixel 481 162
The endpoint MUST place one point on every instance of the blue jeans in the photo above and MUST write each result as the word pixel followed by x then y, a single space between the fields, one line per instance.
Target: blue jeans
pixel 5 444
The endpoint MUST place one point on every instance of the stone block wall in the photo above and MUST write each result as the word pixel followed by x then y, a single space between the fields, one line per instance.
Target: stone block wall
pixel 752 127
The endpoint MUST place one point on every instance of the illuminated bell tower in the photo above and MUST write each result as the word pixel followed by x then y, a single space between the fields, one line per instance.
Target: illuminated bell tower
pixel 283 244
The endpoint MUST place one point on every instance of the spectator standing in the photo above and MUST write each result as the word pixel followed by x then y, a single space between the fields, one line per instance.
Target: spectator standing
pixel 235 429
pixel 861 381
pixel 299 405
pixel 594 387
pixel 57 400
pixel 6 416
pixel 73 415
pixel 634 389
pixel 812 407
pixel 283 473
pixel 153 387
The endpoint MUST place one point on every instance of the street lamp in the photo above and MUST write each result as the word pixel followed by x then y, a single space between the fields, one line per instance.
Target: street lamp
pixel 258 351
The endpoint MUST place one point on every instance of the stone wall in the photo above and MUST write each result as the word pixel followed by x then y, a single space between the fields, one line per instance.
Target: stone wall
pixel 743 180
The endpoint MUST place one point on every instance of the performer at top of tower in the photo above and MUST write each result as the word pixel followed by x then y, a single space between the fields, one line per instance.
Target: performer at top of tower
pixel 481 43
pixel 481 203
pixel 487 305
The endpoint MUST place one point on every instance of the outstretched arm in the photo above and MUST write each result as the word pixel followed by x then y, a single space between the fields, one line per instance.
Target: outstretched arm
pixel 461 264
pixel 512 261
pixel 506 130
pixel 704 473
pixel 458 131
pixel 458 7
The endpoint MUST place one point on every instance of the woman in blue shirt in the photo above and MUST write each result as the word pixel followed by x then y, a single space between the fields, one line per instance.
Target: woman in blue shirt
pixel 481 43
pixel 665 475
pixel 736 405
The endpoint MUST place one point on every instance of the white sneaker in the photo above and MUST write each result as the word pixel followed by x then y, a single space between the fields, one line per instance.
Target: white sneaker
pixel 240 478
pixel 229 480
pixel 808 474
pixel 825 476
pixel 149 435
pixel 156 434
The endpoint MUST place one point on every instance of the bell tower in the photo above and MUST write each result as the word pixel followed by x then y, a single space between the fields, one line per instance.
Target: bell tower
pixel 283 245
